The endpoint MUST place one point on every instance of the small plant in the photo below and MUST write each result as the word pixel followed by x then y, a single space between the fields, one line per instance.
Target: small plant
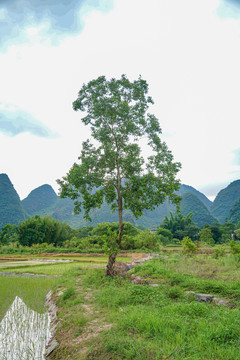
pixel 68 293
pixel 189 248
pixel 218 252
pixel 174 292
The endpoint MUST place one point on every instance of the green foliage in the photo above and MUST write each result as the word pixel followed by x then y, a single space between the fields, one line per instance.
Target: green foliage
pixel 189 248
pixel 216 232
pixel 180 225
pixel 37 230
pixel 219 252
pixel 85 231
pixel 111 245
pixel 174 292
pixel 146 239
pixel 206 237
pixel 103 229
pixel 227 230
pixel 165 232
pixel 234 247
pixel 8 234
pixel 68 293
pixel 165 236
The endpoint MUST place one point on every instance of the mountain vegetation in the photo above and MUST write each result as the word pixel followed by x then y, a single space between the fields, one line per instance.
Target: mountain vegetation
pixel 63 209
pixel 40 199
pixel 234 213
pixel 43 201
pixel 192 204
pixel 189 189
pixel 224 201
pixel 11 209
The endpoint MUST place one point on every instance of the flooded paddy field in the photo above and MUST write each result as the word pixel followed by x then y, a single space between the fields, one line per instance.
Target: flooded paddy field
pixel 24 320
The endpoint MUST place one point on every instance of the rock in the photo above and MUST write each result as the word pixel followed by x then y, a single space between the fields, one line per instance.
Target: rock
pixel 189 292
pixel 219 301
pixel 204 297
pixel 130 266
pixel 137 280
pixel 51 347
pixel 154 285
pixel 52 311
pixel 140 261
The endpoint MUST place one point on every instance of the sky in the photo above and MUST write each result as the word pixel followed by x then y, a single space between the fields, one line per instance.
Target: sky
pixel 188 51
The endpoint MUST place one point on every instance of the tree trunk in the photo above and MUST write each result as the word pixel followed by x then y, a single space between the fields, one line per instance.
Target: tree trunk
pixel 112 258
pixel 110 265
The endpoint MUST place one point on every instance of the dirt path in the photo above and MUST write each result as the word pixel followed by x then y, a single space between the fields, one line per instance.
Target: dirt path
pixel 95 323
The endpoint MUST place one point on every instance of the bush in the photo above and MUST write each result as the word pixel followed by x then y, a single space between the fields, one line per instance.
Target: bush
pixel 42 246
pixel 234 248
pixel 165 235
pixel 146 239
pixel 189 248
pixel 206 237
pixel 218 252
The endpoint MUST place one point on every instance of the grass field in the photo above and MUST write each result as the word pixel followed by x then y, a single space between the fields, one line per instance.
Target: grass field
pixel 104 318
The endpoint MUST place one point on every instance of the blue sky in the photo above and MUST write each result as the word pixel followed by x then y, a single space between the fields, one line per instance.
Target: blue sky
pixel 188 51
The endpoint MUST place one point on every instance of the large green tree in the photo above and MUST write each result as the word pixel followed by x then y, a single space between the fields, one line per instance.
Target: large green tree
pixel 180 226
pixel 111 167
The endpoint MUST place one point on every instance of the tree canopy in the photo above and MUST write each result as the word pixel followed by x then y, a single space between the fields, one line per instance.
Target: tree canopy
pixel 111 166
pixel 180 225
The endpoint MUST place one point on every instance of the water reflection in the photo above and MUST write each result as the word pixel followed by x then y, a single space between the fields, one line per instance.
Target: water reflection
pixel 24 333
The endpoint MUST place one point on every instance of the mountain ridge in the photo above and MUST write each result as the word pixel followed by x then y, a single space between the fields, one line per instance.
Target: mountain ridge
pixel 43 201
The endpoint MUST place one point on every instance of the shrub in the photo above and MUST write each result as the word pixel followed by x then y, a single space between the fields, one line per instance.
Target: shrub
pixel 189 248
pixel 146 239
pixel 219 252
pixel 206 237
pixel 174 292
pixel 234 248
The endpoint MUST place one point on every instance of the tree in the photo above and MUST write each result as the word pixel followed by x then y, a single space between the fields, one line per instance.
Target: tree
pixel 8 234
pixel 37 230
pixel 180 225
pixel 216 232
pixel 112 168
pixel 206 236
pixel 189 248
pixel 227 230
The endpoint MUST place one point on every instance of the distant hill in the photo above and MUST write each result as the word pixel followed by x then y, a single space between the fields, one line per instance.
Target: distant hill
pixel 11 209
pixel 234 213
pixel 45 202
pixel 189 189
pixel 224 201
pixel 39 199
pixel 191 204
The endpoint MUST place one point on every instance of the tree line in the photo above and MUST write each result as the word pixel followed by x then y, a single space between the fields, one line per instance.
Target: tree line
pixel 48 232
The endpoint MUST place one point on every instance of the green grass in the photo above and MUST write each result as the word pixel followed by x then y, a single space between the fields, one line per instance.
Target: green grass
pixel 162 271
pixel 148 323
pixel 153 323
pixel 45 269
